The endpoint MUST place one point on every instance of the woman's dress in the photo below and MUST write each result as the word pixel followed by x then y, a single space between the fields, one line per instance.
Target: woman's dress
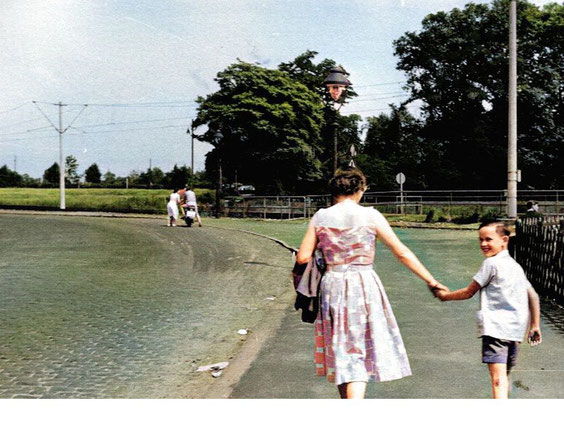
pixel 356 334
pixel 175 197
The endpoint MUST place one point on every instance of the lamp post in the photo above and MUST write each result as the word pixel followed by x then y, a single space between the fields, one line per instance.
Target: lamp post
pixel 218 137
pixel 512 172
pixel 337 82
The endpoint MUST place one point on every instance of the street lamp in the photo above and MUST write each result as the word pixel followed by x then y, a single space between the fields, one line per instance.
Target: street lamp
pixel 512 173
pixel 218 137
pixel 337 82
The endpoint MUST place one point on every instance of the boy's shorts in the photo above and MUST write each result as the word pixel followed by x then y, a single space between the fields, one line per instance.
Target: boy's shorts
pixel 495 350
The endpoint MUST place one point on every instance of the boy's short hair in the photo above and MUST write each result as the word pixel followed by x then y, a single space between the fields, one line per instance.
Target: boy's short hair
pixel 500 228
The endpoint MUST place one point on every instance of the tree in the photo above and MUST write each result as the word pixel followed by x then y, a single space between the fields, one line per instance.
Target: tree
pixel 151 177
pixel 9 178
pixel 109 179
pixel 177 178
pixel 304 70
pixel 93 174
pixel 51 175
pixel 457 66
pixel 71 165
pixel 392 145
pixel 270 125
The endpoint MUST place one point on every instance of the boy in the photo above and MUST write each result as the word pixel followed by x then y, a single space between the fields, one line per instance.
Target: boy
pixel 507 300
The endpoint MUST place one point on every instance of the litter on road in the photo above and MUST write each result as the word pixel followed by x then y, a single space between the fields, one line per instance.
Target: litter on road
pixel 216 366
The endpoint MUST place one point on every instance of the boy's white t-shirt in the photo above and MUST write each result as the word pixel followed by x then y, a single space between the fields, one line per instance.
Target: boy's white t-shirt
pixel 504 302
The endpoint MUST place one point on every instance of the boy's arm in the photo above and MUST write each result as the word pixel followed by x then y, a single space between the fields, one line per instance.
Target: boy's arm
pixel 535 336
pixel 462 294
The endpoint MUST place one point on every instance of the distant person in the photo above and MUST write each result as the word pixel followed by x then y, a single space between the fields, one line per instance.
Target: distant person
pixel 190 201
pixel 172 206
pixel 508 305
pixel 172 209
pixel 532 210
pixel 357 338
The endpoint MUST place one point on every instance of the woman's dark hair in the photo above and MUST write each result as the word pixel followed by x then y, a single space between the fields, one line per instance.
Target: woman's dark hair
pixel 347 181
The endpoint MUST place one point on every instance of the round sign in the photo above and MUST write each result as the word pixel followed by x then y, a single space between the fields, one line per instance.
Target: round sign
pixel 400 178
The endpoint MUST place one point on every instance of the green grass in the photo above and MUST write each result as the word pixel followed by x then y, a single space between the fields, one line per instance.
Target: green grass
pixel 116 200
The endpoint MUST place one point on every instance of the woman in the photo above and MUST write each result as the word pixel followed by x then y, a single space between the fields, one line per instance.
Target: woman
pixel 356 335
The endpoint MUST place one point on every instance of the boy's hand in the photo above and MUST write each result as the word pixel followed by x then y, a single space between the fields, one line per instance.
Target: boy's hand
pixel 439 291
pixel 535 336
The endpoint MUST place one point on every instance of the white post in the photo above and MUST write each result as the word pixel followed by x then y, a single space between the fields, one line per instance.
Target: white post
pixel 61 161
pixel 402 210
pixel 512 117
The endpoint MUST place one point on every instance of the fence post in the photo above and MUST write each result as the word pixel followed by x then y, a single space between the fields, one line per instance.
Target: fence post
pixel 289 207
pixel 264 207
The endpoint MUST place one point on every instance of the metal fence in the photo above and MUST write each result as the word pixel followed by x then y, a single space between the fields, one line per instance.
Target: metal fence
pixel 539 248
pixel 551 202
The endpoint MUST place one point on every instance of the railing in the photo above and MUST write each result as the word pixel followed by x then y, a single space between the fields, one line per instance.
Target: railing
pixel 539 248
pixel 551 202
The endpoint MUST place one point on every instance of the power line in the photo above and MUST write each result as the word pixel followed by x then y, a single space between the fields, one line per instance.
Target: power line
pixel 131 122
pixel 15 108
pixel 379 84
pixel 173 104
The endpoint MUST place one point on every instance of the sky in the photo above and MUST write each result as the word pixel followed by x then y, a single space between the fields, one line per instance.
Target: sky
pixel 128 71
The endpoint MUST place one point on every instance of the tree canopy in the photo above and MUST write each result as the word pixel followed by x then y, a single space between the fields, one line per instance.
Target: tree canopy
pixel 457 66
pixel 93 174
pixel 270 126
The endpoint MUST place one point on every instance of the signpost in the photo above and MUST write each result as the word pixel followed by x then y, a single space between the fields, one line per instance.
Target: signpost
pixel 400 178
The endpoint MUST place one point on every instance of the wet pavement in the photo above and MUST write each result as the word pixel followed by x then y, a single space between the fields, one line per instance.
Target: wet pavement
pixel 127 308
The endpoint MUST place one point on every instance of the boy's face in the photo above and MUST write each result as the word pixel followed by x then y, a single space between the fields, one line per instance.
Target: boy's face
pixel 491 242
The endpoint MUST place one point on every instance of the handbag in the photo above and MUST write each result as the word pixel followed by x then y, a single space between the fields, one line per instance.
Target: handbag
pixel 307 278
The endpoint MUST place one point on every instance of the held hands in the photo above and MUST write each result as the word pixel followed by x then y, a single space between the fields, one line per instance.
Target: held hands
pixel 439 290
pixel 535 336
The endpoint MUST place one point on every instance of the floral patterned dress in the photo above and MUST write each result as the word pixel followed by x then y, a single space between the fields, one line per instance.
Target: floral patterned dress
pixel 356 334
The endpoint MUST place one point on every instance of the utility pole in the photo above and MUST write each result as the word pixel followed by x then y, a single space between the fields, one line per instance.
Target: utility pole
pixel 62 205
pixel 512 116
pixel 15 161
pixel 192 136
pixel 61 131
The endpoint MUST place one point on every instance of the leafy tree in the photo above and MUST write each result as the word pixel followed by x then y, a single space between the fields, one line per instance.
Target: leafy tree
pixel 133 178
pixel 71 165
pixel 392 145
pixel 93 174
pixel 457 66
pixel 270 125
pixel 151 177
pixel 28 181
pixel 52 175
pixel 177 178
pixel 109 179
pixel 9 178
pixel 304 70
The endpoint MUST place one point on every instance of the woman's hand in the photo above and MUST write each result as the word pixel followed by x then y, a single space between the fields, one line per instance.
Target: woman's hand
pixel 439 290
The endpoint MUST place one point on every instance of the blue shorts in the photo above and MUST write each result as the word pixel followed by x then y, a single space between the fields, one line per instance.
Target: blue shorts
pixel 495 350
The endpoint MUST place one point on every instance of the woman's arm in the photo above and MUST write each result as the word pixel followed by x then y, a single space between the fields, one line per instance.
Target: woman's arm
pixel 462 294
pixel 307 247
pixel 404 254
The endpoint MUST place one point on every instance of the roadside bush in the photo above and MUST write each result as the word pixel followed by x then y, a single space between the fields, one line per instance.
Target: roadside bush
pixel 430 216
